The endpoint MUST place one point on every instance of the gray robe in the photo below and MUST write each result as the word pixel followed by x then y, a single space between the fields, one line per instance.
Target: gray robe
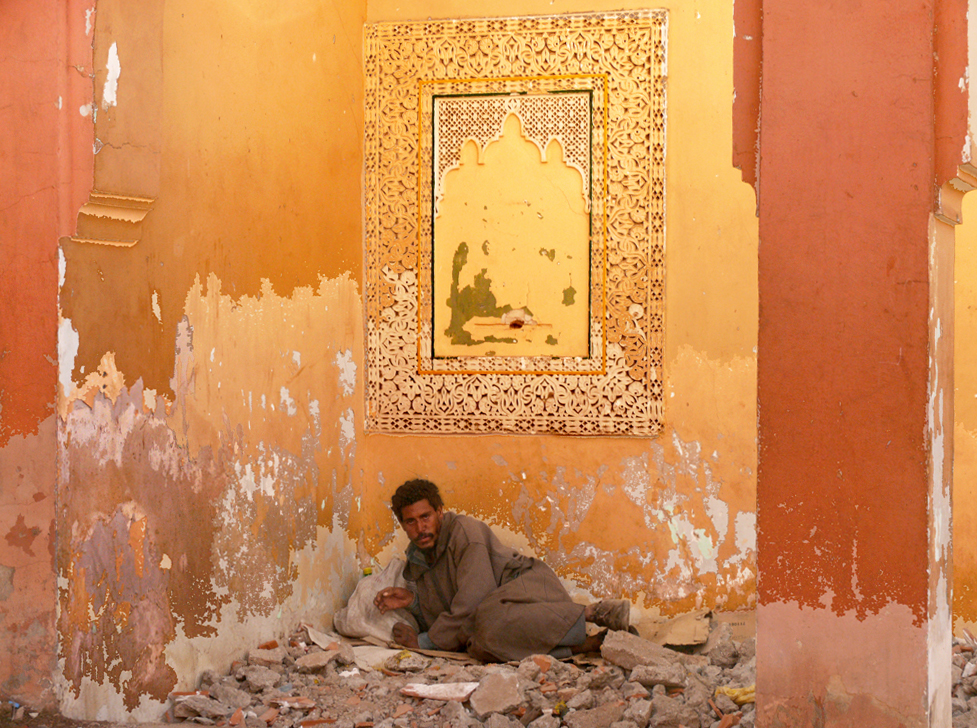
pixel 484 597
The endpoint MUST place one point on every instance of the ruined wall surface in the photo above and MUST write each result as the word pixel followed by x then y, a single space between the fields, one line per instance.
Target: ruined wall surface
pixel 209 373
pixel 216 481
pixel 668 522
pixel 45 165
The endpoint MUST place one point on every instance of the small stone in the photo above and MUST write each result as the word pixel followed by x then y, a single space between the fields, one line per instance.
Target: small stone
pixel 267 658
pixel 407 661
pixel 257 678
pixel 598 717
pixel 194 705
pixel 315 661
pixel 455 714
pixel 207 678
pixel 529 670
pixel 633 690
pixel 624 724
pixel 720 647
pixel 546 721
pixel 744 673
pixel 604 676
pixel 231 696
pixel 671 713
pixel 628 651
pixel 747 648
pixel 498 692
pixel 497 720
pixel 672 676
pixel 639 712
pixel 581 701
pixel 725 704
pixel 346 655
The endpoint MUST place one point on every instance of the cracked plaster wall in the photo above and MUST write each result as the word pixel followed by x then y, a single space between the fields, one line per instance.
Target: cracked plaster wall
pixel 215 483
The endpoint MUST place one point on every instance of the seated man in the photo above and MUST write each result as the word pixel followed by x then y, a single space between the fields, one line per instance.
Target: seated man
pixel 470 592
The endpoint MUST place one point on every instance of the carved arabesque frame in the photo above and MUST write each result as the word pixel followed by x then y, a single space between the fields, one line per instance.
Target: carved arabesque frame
pixel 617 390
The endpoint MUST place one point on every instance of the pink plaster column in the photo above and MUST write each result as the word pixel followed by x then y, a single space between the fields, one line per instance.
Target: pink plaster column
pixel 855 362
pixel 46 162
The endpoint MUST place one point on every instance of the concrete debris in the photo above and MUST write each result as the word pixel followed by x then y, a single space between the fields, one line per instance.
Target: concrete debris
pixel 497 692
pixel 308 681
pixel 964 695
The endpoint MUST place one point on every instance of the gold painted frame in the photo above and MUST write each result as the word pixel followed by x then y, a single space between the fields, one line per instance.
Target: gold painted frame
pixel 619 58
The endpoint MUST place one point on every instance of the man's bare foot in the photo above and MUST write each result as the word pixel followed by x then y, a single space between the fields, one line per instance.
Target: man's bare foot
pixel 404 635
pixel 592 643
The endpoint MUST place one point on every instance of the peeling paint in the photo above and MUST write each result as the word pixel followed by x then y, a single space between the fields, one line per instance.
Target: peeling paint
pixel 67 351
pixel 114 69
pixel 347 371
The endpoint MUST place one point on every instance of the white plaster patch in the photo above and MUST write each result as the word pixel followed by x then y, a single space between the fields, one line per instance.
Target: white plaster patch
pixel 68 342
pixel 347 432
pixel 745 524
pixel 114 68
pixel 250 483
pixel 101 431
pixel 59 104
pixel 62 267
pixel 156 310
pixel 89 21
pixel 85 109
pixel 347 371
pixel 499 460
pixel 297 358
pixel 165 563
pixel 636 480
pixel 718 513
pixel 287 403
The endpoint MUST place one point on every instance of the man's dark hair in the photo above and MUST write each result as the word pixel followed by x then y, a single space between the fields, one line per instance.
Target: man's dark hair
pixel 413 491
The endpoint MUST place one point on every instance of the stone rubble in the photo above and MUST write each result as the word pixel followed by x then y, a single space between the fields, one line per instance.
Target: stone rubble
pixel 634 683
pixel 964 675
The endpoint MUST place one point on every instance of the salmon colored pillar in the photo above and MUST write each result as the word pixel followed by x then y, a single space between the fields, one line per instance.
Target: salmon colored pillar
pixel 855 353
pixel 46 162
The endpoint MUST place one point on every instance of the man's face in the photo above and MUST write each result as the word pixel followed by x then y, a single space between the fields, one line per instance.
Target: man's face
pixel 422 523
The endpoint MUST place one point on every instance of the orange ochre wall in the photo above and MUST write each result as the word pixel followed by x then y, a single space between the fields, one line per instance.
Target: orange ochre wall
pixel 216 484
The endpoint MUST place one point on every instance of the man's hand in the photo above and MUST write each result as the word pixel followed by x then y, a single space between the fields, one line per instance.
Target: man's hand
pixel 405 635
pixel 393 597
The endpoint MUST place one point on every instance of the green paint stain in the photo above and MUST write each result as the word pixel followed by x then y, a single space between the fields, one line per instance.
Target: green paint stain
pixel 568 294
pixel 485 248
pixel 551 340
pixel 471 301
pixel 551 253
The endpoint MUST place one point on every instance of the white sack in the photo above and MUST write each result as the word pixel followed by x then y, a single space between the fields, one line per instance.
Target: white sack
pixel 360 618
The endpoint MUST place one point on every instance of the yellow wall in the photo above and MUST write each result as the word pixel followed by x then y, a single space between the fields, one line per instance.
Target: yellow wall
pixel 965 421
pixel 217 483
pixel 668 522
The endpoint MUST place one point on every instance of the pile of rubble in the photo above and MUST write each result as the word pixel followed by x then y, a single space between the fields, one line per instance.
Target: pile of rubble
pixel 324 680
pixel 964 674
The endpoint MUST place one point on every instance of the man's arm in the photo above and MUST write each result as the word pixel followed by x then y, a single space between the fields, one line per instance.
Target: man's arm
pixel 476 580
